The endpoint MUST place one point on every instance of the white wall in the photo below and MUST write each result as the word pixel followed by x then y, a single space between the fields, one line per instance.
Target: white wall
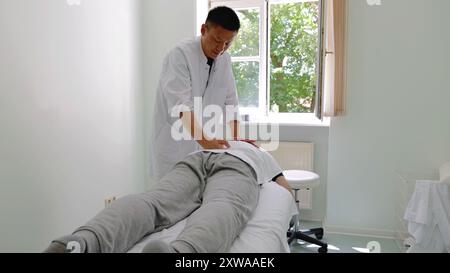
pixel 70 115
pixel 165 24
pixel 398 108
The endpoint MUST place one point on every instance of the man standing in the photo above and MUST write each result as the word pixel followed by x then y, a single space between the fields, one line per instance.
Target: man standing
pixel 197 69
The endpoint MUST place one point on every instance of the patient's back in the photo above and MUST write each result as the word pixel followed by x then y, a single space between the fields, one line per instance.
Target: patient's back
pixel 265 166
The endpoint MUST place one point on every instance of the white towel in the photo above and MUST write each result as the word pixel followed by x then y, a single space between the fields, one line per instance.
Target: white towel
pixel 418 209
pixel 441 211
pixel 428 216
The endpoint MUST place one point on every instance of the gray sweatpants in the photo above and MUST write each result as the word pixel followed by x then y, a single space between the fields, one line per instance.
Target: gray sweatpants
pixel 217 192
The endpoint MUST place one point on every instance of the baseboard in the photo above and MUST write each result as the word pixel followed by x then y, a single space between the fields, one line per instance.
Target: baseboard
pixel 365 232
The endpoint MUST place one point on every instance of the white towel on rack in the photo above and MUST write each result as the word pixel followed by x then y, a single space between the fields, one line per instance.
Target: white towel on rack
pixel 418 209
pixel 441 211
pixel 428 216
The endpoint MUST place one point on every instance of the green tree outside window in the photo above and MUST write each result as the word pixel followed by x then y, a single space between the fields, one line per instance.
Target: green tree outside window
pixel 294 30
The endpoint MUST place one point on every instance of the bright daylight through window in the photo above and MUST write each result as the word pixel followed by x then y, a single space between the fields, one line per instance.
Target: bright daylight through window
pixel 275 56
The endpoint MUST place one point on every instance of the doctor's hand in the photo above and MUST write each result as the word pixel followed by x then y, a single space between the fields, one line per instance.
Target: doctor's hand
pixel 214 144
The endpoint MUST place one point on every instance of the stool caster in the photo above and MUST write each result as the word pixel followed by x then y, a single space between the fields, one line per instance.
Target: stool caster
pixel 319 236
pixel 323 250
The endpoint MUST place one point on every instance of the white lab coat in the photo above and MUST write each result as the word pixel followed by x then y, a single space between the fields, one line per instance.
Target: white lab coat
pixel 185 76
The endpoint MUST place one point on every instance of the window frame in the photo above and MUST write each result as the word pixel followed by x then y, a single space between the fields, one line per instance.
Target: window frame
pixel 264 50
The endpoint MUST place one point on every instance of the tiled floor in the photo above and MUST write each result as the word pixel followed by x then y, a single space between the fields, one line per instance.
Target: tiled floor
pixel 338 243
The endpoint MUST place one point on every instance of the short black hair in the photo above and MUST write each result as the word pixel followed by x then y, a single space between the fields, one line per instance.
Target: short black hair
pixel 224 17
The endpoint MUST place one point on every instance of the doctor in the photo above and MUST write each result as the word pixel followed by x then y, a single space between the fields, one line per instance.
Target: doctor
pixel 196 69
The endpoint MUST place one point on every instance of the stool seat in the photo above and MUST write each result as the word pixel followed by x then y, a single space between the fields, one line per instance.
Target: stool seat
pixel 299 179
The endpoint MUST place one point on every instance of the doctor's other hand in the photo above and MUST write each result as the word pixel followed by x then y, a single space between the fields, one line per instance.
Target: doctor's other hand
pixel 214 144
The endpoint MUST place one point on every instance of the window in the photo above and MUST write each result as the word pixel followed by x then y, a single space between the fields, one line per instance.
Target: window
pixel 276 55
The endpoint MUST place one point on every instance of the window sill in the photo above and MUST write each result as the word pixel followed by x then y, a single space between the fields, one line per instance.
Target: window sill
pixel 288 119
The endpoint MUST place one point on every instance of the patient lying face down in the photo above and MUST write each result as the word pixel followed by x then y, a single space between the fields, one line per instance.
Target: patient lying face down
pixel 216 190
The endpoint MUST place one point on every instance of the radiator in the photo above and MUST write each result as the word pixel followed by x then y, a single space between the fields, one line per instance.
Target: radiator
pixel 297 156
